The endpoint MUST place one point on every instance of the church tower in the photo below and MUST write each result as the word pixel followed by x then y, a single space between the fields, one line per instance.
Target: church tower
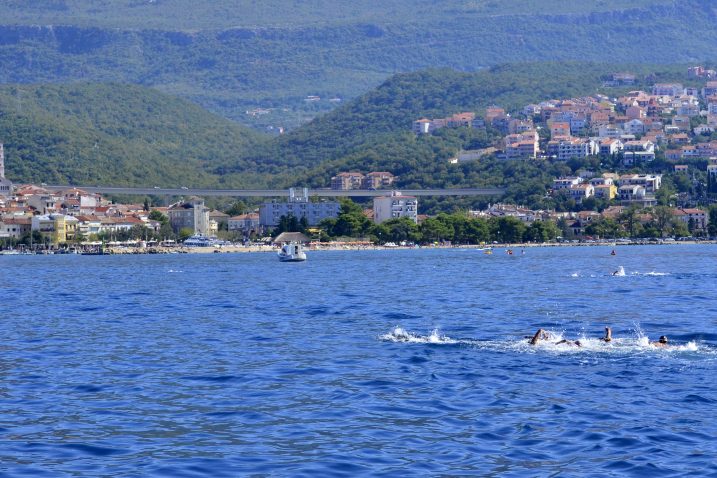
pixel 5 184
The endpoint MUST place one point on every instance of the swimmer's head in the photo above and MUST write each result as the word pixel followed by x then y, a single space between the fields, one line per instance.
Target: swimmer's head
pixel 663 339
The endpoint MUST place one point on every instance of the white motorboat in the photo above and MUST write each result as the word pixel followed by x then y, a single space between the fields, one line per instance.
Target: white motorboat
pixel 292 252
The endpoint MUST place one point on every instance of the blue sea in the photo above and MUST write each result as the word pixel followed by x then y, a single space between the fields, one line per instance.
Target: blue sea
pixel 360 363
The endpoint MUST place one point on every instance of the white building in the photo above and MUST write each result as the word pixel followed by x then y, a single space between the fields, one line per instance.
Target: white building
pixel 610 146
pixel 581 191
pixel 575 148
pixel 638 150
pixel 668 89
pixel 394 206
pixel 651 182
pixel 298 206
pixel 566 183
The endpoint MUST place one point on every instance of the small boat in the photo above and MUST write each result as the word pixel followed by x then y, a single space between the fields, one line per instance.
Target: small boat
pixel 292 252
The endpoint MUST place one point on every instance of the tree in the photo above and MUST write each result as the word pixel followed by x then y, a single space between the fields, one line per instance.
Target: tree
pixel 237 208
pixel 662 216
pixel 629 220
pixel 185 233
pixel 605 228
pixel 398 230
pixel 665 194
pixel 541 231
pixel 435 230
pixel 712 225
pixel 159 217
pixel 507 229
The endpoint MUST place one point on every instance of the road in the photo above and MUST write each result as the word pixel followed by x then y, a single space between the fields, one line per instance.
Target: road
pixel 280 192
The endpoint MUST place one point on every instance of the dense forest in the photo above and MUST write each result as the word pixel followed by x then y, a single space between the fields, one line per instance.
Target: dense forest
pixel 233 57
pixel 119 134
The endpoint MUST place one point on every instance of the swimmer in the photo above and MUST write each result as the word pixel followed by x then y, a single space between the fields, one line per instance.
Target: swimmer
pixel 608 335
pixel 539 335
pixel 569 342
pixel 662 342
pixel 543 335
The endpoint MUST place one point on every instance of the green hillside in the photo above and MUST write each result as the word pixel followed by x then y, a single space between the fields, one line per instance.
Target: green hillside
pixel 223 14
pixel 118 134
pixel 232 57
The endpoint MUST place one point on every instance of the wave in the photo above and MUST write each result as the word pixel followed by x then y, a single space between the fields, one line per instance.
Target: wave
pixel 557 342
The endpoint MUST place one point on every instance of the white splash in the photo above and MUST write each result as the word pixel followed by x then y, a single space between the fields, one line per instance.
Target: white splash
pixel 620 272
pixel 557 342
pixel 399 334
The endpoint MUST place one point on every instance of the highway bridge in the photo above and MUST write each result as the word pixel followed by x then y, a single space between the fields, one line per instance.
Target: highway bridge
pixel 279 192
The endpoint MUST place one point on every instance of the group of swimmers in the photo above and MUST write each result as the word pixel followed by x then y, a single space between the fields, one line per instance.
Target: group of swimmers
pixel 542 335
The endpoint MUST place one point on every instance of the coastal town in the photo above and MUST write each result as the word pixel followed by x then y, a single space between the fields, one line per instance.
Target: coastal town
pixel 670 124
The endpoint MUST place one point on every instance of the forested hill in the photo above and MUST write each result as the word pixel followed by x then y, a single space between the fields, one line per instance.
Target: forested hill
pixel 119 134
pixel 130 135
pixel 233 56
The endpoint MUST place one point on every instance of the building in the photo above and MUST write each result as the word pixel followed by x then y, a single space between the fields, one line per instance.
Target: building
pixel 575 148
pixel 56 228
pixel 605 191
pixel 651 182
pixel 581 191
pixel 5 184
pixel 610 146
pixel 347 181
pixel 638 150
pixel 566 182
pixel 298 206
pixel 246 224
pixel 559 129
pixel 220 218
pixel 426 126
pixel 422 126
pixel 191 214
pixel 15 227
pixel 395 206
pixel 668 89
pixel 695 219
pixel 379 180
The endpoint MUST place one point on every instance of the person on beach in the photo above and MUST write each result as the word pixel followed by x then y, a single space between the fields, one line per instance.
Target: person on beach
pixel 661 342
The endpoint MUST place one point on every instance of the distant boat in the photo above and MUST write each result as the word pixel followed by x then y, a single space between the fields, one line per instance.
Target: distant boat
pixel 292 252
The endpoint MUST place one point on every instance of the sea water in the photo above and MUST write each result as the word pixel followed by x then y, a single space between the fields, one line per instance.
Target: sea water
pixel 394 363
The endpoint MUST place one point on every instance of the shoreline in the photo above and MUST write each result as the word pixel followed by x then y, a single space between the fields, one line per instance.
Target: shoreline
pixel 354 247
